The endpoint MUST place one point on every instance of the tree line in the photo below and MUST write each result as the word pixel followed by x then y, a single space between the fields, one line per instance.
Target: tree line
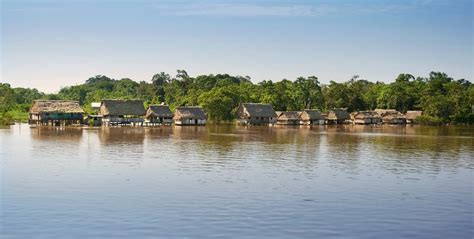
pixel 440 97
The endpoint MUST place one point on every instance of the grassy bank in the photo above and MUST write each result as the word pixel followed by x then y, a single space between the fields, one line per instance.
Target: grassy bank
pixel 18 116
pixel 10 117
pixel 6 119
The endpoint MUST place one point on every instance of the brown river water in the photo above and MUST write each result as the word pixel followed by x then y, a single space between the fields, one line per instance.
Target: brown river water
pixel 231 181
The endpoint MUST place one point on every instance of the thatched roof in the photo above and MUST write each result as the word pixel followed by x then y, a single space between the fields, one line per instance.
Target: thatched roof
pixel 259 110
pixel 388 114
pixel 412 114
pixel 289 115
pixel 56 106
pixel 385 111
pixel 391 116
pixel 191 112
pixel 310 115
pixel 364 115
pixel 158 111
pixel 338 114
pixel 122 107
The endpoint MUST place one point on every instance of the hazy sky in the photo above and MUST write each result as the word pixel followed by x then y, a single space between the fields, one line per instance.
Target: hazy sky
pixel 55 43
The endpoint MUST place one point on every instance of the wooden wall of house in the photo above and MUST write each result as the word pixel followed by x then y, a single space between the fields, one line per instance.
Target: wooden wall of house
pixel 190 122
pixel 260 120
pixel 56 119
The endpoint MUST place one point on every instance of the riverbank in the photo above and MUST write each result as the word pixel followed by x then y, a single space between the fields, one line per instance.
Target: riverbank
pixel 21 116
pixel 12 117
pixel 440 97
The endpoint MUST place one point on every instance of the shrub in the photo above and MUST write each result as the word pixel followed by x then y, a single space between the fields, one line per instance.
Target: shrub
pixel 429 120
pixel 463 119
pixel 5 119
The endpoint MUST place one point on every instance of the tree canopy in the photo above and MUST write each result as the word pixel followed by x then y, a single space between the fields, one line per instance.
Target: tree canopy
pixel 441 97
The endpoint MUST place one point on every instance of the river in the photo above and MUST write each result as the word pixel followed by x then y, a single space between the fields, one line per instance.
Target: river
pixel 230 181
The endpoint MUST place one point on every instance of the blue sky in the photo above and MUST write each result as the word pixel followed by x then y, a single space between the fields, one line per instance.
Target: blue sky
pixel 49 44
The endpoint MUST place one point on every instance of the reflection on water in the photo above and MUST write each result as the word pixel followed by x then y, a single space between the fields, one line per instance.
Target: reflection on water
pixel 124 135
pixel 56 133
pixel 339 181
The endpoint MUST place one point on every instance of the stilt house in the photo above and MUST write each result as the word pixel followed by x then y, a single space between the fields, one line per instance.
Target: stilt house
pixel 288 118
pixel 56 112
pixel 122 112
pixel 256 114
pixel 312 117
pixel 338 116
pixel 366 117
pixel 391 116
pixel 158 114
pixel 191 115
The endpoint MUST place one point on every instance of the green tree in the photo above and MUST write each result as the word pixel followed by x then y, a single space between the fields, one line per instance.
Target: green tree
pixel 309 93
pixel 336 95
pixel 7 102
pixel 159 81
pixel 442 98
pixel 220 103
pixel 356 92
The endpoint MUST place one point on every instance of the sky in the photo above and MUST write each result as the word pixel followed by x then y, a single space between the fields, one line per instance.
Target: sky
pixel 51 44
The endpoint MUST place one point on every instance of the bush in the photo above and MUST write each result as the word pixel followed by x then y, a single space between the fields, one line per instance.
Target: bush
pixel 463 119
pixel 90 122
pixel 20 116
pixel 429 120
pixel 5 119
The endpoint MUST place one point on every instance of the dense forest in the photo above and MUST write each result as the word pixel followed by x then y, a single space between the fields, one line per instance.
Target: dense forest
pixel 443 99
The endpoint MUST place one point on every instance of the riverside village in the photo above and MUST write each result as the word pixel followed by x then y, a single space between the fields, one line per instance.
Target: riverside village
pixel 133 113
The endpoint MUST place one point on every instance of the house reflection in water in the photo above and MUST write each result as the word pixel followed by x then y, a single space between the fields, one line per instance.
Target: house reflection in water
pixel 56 133
pixel 122 135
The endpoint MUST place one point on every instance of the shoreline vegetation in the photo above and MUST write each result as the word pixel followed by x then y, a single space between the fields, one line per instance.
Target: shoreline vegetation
pixel 442 99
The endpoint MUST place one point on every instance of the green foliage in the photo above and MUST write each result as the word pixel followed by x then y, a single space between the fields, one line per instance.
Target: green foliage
pixel 25 95
pixel 6 97
pixel 443 99
pixel 429 120
pixel 19 115
pixel 158 85
pixel 5 119
pixel 219 103
pixel 463 118
pixel 336 95
pixel 7 101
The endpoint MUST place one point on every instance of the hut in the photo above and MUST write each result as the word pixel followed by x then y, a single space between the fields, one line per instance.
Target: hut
pixel 365 117
pixel 122 112
pixel 311 117
pixel 158 114
pixel 391 116
pixel 288 118
pixel 338 116
pixel 256 114
pixel 56 112
pixel 191 115
pixel 412 114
